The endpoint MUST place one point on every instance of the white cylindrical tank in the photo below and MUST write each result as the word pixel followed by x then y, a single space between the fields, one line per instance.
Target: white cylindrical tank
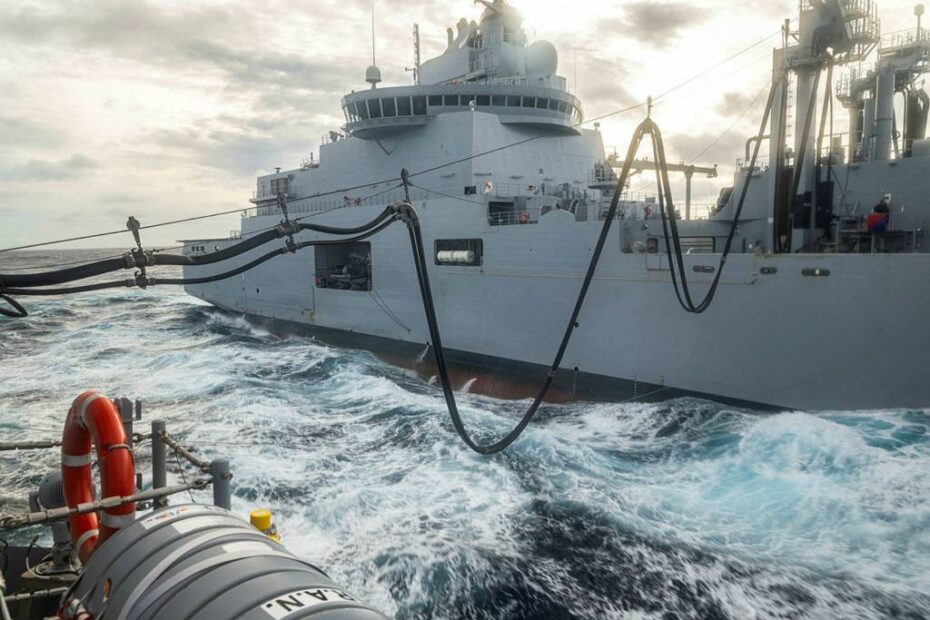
pixel 456 256
pixel 884 115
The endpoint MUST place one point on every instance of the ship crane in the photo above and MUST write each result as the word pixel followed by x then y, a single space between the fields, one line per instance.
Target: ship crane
pixel 689 170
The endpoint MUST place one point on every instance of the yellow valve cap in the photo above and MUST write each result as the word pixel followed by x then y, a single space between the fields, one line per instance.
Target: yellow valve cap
pixel 260 519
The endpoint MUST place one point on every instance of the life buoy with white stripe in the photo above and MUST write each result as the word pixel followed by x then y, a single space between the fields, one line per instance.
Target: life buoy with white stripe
pixel 93 421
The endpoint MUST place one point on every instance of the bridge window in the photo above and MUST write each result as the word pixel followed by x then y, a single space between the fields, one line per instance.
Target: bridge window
pixel 563 106
pixel 374 108
pixel 388 106
pixel 459 252
pixel 435 100
pixel 451 100
pixel 542 103
pixel 500 100
pixel 419 106
pixel 343 267
pixel 553 104
pixel 403 106
pixel 483 100
pixel 513 101
pixel 362 110
pixel 529 102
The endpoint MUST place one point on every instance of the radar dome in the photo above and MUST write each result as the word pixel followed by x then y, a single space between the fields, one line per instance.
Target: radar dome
pixel 542 58
pixel 373 75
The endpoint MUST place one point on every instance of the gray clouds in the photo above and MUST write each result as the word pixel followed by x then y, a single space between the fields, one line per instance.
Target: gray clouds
pixel 655 24
pixel 72 167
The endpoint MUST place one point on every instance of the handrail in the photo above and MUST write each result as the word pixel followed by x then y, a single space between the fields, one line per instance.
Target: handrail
pixel 12 522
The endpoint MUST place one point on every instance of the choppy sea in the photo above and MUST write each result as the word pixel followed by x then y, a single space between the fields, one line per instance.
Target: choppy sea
pixel 683 509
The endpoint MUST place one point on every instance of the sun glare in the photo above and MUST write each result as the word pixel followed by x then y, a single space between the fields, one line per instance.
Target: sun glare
pixel 544 17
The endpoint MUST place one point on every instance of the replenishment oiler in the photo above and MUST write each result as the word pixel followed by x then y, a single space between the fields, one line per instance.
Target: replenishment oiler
pixel 805 287
pixel 818 247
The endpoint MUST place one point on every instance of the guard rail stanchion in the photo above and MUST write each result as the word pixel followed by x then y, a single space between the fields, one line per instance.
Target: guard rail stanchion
pixel 222 497
pixel 159 462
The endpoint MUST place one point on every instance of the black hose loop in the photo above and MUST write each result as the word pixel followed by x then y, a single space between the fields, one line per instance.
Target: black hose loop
pixel 18 312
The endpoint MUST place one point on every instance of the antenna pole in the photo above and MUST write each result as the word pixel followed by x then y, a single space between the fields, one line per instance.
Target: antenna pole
pixel 373 60
pixel 575 60
pixel 416 49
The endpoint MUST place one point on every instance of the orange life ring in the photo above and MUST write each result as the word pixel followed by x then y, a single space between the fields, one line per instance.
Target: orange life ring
pixel 93 421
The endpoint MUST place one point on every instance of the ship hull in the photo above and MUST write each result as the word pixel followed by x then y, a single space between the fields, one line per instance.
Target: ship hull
pixel 815 332
pixel 486 375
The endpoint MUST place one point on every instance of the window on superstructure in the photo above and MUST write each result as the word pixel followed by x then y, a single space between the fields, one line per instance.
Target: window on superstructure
pixel 419 106
pixel 563 106
pixel 403 106
pixel 529 102
pixel 505 214
pixel 483 100
pixel 362 110
pixel 451 100
pixel 499 100
pixel 374 108
pixel 435 100
pixel 554 104
pixel 279 186
pixel 698 245
pixel 513 101
pixel 542 103
pixel 388 107
pixel 343 267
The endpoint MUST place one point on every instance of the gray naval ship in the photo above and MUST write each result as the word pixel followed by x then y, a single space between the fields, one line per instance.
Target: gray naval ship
pixel 821 302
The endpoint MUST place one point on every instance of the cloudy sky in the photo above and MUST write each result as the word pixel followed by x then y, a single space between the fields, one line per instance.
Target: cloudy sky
pixel 168 108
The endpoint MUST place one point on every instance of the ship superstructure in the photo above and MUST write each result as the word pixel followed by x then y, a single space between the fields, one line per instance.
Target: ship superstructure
pixel 820 303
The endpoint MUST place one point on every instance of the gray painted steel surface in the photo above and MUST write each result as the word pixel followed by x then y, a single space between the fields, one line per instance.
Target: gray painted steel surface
pixel 198 561
pixel 836 321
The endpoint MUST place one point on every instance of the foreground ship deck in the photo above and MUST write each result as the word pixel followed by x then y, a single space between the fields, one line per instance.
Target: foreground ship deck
pixel 820 304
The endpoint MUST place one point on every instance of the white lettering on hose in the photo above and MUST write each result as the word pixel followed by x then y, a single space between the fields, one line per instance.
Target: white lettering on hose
pixel 286 604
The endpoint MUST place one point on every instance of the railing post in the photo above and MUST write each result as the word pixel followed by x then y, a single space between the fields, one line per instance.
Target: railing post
pixel 159 462
pixel 124 405
pixel 222 497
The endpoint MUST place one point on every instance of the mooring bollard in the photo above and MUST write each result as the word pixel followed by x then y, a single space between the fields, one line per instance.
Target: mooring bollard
pixel 222 497
pixel 159 462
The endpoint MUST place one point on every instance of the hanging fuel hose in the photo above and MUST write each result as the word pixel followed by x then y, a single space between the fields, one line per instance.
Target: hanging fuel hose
pixel 408 215
pixel 146 281
pixel 673 248
pixel 139 259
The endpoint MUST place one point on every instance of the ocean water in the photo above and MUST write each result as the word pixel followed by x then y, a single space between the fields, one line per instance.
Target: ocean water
pixel 683 509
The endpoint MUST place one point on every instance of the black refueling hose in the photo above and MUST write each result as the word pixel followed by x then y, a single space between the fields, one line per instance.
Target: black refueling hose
pixel 145 282
pixel 670 220
pixel 18 312
pixel 416 242
pixel 136 259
